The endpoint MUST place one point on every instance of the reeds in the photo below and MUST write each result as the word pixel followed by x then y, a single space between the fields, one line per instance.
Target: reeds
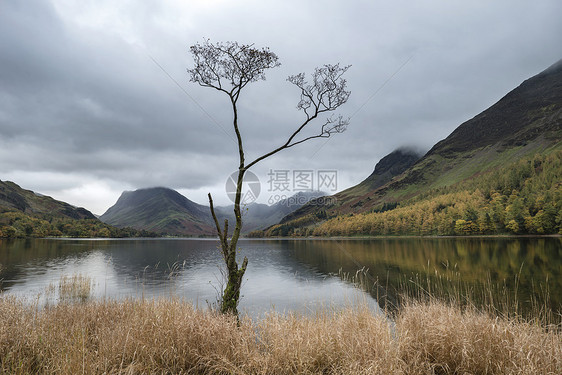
pixel 491 298
pixel 449 287
pixel 75 288
pixel 170 336
pixel 437 338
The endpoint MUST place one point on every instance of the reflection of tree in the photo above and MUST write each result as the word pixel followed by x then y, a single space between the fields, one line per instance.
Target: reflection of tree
pixel 18 254
pixel 473 261
pixel 390 261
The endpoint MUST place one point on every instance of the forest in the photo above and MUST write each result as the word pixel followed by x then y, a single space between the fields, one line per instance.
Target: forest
pixel 521 198
pixel 16 224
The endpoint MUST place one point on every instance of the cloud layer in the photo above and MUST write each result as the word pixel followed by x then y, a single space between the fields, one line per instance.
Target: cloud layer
pixel 90 103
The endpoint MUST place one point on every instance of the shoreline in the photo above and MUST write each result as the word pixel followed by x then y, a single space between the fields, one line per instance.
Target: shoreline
pixel 334 238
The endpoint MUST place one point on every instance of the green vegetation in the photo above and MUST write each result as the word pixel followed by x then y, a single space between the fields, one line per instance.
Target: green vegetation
pixel 478 180
pixel 524 197
pixel 24 213
pixel 16 224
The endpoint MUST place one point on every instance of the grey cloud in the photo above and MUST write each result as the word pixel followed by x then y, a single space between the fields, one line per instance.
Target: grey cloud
pixel 82 97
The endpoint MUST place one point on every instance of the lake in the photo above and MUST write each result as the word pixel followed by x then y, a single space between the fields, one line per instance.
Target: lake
pixel 287 274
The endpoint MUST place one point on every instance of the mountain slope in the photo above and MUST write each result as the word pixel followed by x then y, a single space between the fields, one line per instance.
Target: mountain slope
pixel 24 213
pixel 160 210
pixel 523 197
pixel 389 167
pixel 525 122
pixel 13 197
pixel 386 169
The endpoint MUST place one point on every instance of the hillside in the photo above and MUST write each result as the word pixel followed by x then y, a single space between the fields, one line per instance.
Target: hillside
pixel 13 197
pixel 24 213
pixel 161 210
pixel 524 123
pixel 386 169
pixel 389 167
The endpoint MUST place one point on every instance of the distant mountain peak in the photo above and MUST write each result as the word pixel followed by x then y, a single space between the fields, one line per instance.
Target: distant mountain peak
pixel 389 167
pixel 397 161
pixel 553 69
pixel 161 210
pixel 164 210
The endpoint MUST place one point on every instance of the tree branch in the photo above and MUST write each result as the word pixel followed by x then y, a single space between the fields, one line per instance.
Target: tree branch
pixel 229 67
pixel 222 237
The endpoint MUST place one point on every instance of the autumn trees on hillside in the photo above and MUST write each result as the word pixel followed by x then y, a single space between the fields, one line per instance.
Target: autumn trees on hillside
pixel 522 198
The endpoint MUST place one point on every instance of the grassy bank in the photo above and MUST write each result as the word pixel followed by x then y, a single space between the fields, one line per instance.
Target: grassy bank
pixel 170 336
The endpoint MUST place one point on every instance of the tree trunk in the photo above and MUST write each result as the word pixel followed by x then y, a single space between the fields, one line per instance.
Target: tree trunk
pixel 231 294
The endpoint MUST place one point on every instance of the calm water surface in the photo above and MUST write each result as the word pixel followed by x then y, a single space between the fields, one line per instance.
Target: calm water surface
pixel 283 274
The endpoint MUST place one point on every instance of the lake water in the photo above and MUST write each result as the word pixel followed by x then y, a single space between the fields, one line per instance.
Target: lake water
pixel 283 274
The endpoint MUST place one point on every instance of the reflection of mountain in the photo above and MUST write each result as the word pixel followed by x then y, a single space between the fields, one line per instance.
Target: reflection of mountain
pixel 184 268
pixel 155 260
pixel 135 260
pixel 275 264
pixel 19 255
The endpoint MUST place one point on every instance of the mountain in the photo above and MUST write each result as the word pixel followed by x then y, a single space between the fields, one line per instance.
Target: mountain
pixel 166 211
pixel 386 169
pixel 160 210
pixel 258 216
pixel 13 197
pixel 24 213
pixel 525 122
pixel 389 167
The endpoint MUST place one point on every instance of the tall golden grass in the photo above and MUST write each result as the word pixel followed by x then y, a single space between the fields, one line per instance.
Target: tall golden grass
pixel 171 336
pixel 75 288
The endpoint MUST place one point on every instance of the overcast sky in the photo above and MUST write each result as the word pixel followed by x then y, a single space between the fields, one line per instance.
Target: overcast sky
pixel 88 108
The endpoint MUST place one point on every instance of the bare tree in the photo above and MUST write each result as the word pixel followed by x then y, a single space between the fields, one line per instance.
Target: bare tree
pixel 228 67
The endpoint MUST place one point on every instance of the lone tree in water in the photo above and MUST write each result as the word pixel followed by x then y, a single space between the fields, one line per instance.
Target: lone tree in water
pixel 228 67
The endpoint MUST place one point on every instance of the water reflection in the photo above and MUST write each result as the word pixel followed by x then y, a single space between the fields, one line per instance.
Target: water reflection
pixel 287 273
pixel 532 263
pixel 183 267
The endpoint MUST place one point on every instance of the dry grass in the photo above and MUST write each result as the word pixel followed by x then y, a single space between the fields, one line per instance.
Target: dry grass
pixel 170 336
pixel 74 288
pixel 437 338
